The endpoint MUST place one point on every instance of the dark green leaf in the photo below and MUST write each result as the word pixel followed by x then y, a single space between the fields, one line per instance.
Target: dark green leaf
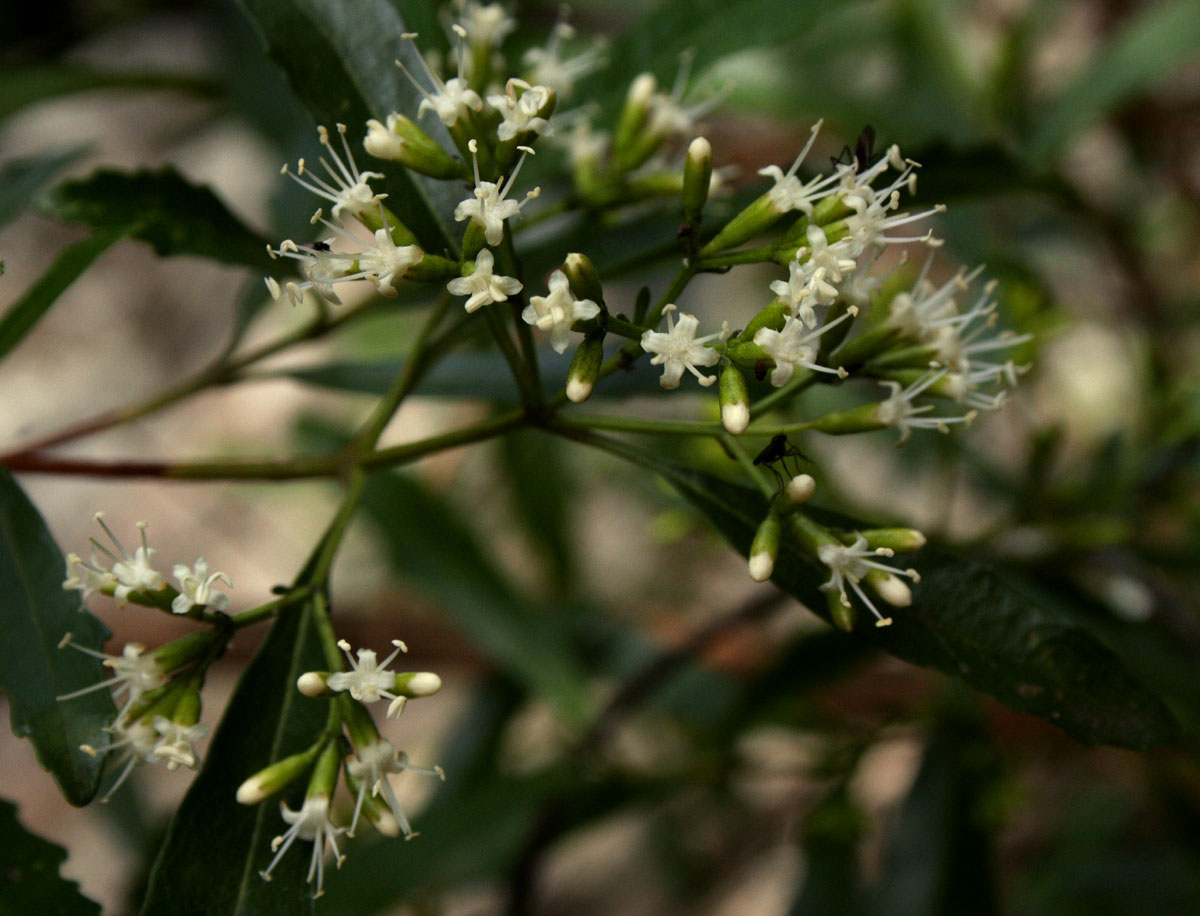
pixel 25 86
pixel 340 60
pixel 20 179
pixel 938 856
pixel 967 620
pixel 34 616
pixel 72 261
pixel 29 879
pixel 215 847
pixel 1154 42
pixel 541 491
pixel 161 208
pixel 831 834
pixel 438 554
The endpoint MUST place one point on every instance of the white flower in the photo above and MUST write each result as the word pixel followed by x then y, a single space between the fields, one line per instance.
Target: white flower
pixel 369 680
pixel 679 348
pixel 370 766
pixel 485 25
pixel 867 225
pixel 133 672
pixel 490 206
pixel 851 564
pixel 790 348
pixel 811 280
pixel 383 263
pixel 520 112
pixel 789 193
pixel 175 743
pixel 484 287
pixel 134 743
pixel 558 311
pixel 196 587
pixel 349 191
pixel 310 823
pixel 129 572
pixel 450 100
pixel 548 67
pixel 899 411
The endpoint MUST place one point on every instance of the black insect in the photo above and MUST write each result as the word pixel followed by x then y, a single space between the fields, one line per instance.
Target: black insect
pixel 863 153
pixel 778 451
pixel 318 246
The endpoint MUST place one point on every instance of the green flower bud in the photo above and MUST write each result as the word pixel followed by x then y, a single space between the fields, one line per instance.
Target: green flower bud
pixel 734 399
pixel 756 219
pixel 841 611
pixel 859 419
pixel 324 777
pixel 765 548
pixel 277 777
pixel 633 117
pixel 697 178
pixel 890 587
pixel 585 366
pixel 403 141
pixel 898 539
pixel 583 278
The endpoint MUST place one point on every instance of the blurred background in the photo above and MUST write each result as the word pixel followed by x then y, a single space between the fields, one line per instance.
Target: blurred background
pixel 713 749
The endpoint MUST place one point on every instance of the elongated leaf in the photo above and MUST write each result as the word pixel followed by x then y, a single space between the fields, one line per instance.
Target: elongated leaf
pixel 27 85
pixel 1141 55
pixel 35 614
pixel 162 208
pixel 20 179
pixel 998 635
pixel 709 29
pixel 72 261
pixel 29 879
pixel 340 61
pixel 439 555
pixel 215 847
pixel 541 494
pixel 832 833
pixel 938 856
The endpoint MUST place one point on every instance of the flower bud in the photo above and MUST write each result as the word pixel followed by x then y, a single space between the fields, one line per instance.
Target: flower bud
pixel 325 774
pixel 800 489
pixel 583 278
pixel 585 366
pixel 697 177
pixel 765 548
pixel 416 684
pixel 401 140
pixel 841 611
pixel 276 777
pixel 757 218
pixel 859 419
pixel 312 683
pixel 734 399
pixel 637 107
pixel 891 588
pixel 899 539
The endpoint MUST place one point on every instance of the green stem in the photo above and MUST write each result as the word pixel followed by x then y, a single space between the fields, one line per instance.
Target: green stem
pixel 642 425
pixel 735 448
pixel 270 609
pixel 406 454
pixel 749 256
pixel 500 332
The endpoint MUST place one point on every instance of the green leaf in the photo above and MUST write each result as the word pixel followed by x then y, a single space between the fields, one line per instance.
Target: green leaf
pixel 1150 45
pixel 340 60
pixel 541 489
pixel 162 208
pixel 215 847
pixel 439 555
pixel 711 29
pixel 937 861
pixel 832 833
pixel 72 261
pixel 34 616
pixel 23 86
pixel 20 179
pixel 29 878
pixel 967 620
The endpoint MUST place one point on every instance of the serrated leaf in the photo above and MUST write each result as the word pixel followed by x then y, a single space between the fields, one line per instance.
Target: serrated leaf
pixel 440 556
pixel 72 261
pixel 1153 42
pixel 162 208
pixel 215 847
pixel 340 61
pixel 29 878
pixel 967 620
pixel 21 178
pixel 35 614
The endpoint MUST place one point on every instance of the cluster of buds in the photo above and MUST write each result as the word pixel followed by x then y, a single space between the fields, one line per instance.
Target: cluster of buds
pixel 354 747
pixel 850 308
pixel 158 721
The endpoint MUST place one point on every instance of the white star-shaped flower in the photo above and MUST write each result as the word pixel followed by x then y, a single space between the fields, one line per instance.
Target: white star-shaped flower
pixel 483 287
pixel 850 564
pixel 196 587
pixel 450 100
pixel 490 206
pixel 129 572
pixel 133 672
pixel 558 311
pixel 368 679
pixel 520 112
pixel 790 348
pixel 176 742
pixel 679 348
pixel 371 765
pixel 311 823
pixel 348 188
